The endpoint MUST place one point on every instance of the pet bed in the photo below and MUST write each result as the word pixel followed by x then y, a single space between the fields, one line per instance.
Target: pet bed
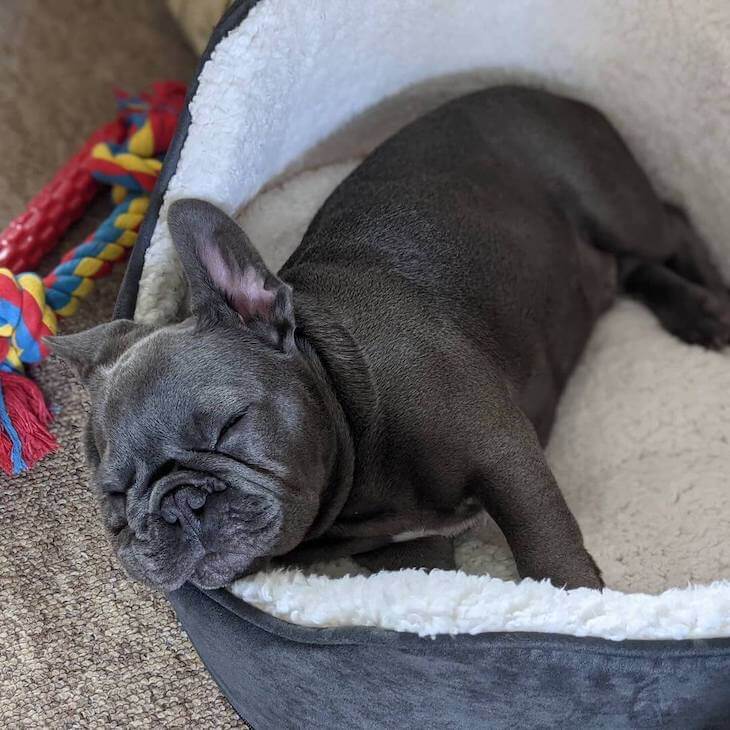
pixel 288 98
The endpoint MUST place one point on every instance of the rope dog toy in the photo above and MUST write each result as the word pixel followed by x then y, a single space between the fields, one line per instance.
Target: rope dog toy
pixel 124 154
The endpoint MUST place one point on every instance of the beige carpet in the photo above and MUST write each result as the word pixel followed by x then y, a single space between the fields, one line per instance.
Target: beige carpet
pixel 80 645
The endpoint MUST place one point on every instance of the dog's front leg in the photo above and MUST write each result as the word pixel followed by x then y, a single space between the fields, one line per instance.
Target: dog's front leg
pixel 520 493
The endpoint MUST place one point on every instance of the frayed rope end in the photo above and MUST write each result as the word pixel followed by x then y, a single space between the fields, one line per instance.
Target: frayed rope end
pixel 24 419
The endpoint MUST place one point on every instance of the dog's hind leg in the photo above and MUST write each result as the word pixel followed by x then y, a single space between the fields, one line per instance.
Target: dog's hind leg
pixel 688 310
pixel 692 257
pixel 686 291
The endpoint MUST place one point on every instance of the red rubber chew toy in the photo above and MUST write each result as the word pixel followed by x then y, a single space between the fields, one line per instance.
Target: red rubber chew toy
pixel 36 231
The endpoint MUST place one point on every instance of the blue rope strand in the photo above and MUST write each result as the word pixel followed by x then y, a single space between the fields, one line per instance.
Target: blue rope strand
pixel 16 451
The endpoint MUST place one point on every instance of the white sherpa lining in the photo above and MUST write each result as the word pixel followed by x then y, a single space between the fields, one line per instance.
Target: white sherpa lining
pixel 303 88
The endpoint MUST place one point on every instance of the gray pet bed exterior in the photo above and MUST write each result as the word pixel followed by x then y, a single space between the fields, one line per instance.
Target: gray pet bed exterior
pixel 278 675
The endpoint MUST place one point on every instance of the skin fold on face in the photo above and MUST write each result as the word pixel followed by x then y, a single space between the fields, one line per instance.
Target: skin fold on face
pixel 209 439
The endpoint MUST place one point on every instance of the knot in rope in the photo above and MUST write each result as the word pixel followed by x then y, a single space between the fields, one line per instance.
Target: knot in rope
pixel 25 319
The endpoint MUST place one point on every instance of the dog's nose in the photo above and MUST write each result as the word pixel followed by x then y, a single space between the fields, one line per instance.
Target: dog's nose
pixel 175 492
pixel 182 494
pixel 181 501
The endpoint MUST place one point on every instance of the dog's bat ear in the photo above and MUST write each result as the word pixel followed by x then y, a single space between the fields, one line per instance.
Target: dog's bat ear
pixel 98 346
pixel 227 277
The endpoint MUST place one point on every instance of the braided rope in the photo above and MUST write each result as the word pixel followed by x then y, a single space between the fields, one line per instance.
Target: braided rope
pixel 73 279
pixel 30 307
pixel 25 319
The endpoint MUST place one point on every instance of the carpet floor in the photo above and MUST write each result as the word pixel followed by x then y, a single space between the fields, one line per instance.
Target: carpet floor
pixel 81 646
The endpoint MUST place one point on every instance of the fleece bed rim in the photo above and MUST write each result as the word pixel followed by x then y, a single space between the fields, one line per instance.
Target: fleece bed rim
pixel 713 648
pixel 127 297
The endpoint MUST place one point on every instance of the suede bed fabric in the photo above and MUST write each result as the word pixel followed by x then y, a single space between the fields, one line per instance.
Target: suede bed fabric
pixel 81 646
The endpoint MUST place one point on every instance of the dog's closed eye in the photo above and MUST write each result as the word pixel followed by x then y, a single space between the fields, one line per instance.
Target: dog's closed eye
pixel 228 427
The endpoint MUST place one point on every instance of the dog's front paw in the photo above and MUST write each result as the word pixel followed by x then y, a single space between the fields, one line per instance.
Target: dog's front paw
pixel 579 572
pixel 586 575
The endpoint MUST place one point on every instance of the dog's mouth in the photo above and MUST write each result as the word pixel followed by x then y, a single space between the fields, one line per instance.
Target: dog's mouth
pixel 197 527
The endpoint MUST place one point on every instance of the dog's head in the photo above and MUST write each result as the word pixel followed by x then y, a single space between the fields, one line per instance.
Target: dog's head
pixel 210 439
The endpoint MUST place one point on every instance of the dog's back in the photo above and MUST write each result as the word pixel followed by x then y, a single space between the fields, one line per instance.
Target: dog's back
pixel 474 228
pixel 469 257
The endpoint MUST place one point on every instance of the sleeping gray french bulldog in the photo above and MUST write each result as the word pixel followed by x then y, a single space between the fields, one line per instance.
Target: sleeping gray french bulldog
pixel 400 375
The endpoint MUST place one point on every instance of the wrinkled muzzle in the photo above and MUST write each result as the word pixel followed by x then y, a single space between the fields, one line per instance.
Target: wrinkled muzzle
pixel 197 527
